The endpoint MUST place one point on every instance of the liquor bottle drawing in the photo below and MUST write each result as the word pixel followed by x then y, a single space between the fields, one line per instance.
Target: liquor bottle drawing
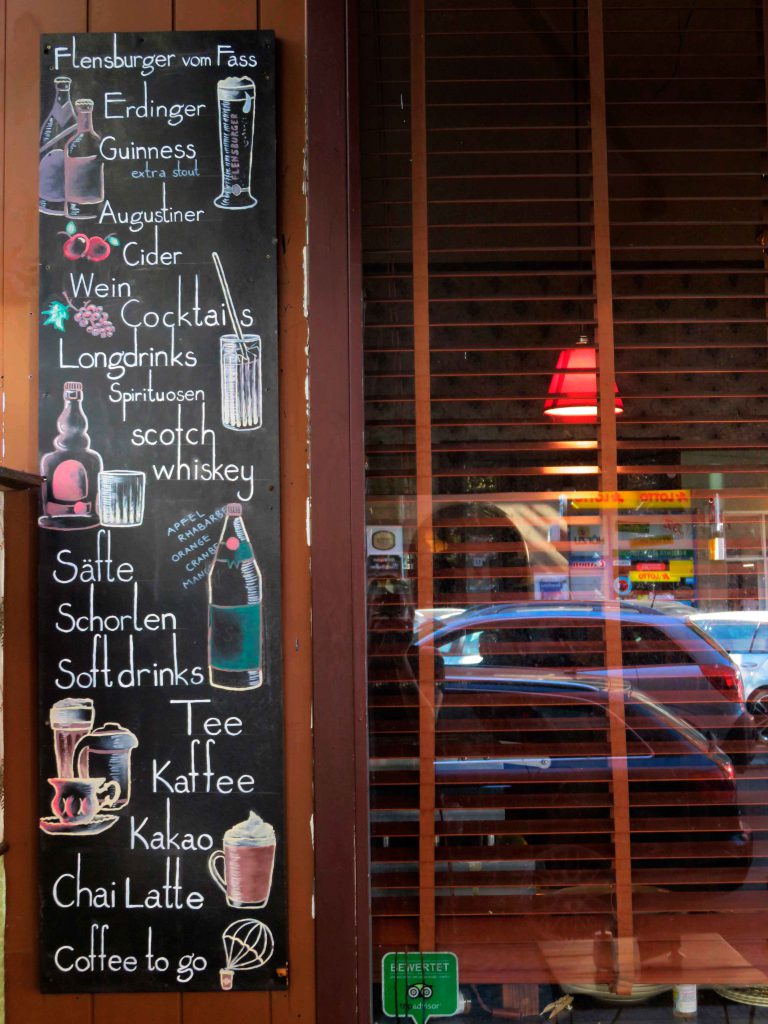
pixel 234 609
pixel 237 102
pixel 55 133
pixel 83 166
pixel 71 470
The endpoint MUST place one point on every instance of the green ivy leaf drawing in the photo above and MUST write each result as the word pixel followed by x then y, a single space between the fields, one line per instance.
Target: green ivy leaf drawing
pixel 71 228
pixel 56 315
pixel 113 240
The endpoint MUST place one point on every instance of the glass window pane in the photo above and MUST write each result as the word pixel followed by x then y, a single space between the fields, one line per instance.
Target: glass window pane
pixel 568 661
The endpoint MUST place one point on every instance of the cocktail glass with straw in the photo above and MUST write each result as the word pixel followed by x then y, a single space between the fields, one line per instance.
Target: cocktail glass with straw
pixel 240 366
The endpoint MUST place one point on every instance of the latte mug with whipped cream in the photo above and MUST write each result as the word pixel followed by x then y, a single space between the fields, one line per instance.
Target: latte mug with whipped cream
pixel 247 860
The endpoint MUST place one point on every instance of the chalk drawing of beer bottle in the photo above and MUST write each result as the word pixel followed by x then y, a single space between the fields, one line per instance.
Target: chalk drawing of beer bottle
pixel 83 166
pixel 235 626
pixel 55 134
pixel 71 470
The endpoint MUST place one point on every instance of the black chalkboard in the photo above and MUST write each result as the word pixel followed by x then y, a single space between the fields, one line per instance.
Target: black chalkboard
pixel 161 761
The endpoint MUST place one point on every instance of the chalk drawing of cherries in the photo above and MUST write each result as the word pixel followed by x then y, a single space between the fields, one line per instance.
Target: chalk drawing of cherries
pixel 80 246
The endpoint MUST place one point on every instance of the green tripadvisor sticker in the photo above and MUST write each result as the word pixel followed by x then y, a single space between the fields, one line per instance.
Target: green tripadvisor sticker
pixel 420 985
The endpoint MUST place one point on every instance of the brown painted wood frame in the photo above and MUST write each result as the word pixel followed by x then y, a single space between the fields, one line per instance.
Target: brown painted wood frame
pixel 342 929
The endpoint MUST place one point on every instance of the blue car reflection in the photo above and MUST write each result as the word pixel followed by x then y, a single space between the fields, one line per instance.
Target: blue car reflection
pixel 538 779
pixel 666 657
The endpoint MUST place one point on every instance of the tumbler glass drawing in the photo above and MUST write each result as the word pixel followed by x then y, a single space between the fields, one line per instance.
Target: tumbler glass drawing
pixel 241 381
pixel 121 497
pixel 237 102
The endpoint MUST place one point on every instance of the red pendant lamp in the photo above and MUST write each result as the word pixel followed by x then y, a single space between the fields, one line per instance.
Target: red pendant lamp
pixel 572 395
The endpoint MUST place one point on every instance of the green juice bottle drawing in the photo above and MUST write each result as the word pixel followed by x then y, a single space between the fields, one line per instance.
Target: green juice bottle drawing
pixel 234 609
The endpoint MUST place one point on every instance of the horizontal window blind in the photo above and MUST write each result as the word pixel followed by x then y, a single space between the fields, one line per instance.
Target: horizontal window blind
pixel 563 230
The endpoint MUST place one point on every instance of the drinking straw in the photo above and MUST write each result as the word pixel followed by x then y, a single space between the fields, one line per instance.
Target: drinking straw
pixel 227 296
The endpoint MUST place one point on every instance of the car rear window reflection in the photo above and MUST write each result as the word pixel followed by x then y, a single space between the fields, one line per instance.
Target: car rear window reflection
pixel 736 637
pixel 644 645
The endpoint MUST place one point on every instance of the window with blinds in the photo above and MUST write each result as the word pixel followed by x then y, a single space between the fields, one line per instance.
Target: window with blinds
pixel 566 385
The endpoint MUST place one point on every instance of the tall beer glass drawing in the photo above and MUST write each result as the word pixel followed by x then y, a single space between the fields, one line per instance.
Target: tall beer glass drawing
pixel 71 719
pixel 237 102
pixel 240 368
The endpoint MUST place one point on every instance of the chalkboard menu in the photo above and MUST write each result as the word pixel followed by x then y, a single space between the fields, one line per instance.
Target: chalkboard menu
pixel 161 761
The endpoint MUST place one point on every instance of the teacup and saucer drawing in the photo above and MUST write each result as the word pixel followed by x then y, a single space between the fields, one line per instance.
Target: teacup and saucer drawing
pixel 100 823
pixel 76 804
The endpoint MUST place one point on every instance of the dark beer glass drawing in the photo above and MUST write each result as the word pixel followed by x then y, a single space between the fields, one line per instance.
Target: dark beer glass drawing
pixel 237 102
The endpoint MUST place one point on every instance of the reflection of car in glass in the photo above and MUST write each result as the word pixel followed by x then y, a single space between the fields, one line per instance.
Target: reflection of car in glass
pixel 744 635
pixel 667 657
pixel 524 775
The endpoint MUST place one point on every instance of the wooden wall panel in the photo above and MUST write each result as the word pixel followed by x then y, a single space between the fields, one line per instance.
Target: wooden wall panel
pixel 286 17
pixel 136 16
pixel 25 20
pixel 203 14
